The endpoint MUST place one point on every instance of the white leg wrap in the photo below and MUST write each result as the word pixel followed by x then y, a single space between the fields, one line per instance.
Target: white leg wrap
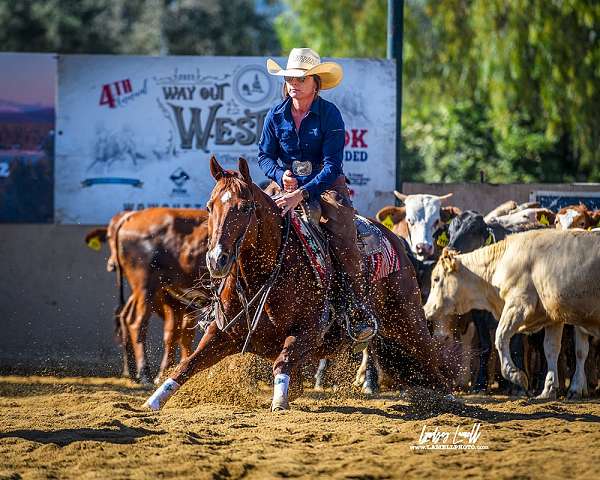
pixel 162 394
pixel 280 391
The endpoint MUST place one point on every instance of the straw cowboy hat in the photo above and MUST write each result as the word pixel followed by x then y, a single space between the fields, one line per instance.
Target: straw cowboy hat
pixel 305 61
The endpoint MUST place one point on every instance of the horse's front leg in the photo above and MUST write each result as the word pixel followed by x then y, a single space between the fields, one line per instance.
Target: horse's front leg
pixel 288 364
pixel 214 346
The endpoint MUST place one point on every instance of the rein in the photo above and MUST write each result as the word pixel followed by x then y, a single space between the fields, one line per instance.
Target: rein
pixel 261 295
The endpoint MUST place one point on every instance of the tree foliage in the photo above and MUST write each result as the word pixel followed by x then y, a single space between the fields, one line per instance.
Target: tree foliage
pixel 510 88
pixel 202 27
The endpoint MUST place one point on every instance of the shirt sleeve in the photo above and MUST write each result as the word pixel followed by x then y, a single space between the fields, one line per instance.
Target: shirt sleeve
pixel 268 151
pixel 333 154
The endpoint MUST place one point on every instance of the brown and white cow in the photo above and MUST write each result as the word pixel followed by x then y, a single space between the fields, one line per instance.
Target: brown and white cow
pixel 418 220
pixel 161 252
pixel 577 216
pixel 532 280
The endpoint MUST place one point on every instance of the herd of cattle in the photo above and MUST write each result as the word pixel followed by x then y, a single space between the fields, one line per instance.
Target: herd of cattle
pixel 515 270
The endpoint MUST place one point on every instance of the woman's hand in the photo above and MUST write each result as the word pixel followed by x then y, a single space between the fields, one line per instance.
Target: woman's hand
pixel 289 181
pixel 289 201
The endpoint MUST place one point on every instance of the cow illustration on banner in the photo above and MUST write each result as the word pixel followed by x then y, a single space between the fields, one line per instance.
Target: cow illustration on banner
pixel 137 132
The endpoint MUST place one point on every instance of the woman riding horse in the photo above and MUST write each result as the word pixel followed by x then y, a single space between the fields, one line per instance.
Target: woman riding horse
pixel 306 133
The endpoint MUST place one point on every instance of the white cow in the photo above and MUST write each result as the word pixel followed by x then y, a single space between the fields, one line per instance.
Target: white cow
pixel 532 280
pixel 423 217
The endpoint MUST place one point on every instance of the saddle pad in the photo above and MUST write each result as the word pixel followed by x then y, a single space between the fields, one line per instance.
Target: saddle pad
pixel 314 248
pixel 385 262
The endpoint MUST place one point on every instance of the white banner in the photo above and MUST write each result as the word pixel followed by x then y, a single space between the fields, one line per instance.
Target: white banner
pixel 137 132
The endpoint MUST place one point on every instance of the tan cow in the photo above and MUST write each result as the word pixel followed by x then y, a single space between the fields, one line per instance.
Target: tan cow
pixel 532 280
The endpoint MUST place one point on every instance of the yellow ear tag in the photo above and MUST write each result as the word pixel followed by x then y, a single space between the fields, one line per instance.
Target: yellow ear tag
pixel 94 243
pixel 544 220
pixel 387 221
pixel 489 240
pixel 442 240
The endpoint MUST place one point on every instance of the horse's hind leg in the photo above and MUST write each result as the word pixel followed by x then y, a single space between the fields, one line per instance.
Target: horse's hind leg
pixel 214 346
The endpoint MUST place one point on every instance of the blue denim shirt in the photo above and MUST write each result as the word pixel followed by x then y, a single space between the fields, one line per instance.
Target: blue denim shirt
pixel 320 140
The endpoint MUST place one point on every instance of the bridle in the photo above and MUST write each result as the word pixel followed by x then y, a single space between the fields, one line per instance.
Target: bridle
pixel 261 296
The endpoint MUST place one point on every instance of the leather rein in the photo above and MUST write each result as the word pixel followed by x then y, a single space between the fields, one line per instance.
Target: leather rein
pixel 261 296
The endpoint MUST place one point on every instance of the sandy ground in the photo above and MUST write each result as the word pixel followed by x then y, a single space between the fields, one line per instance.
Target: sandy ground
pixel 87 428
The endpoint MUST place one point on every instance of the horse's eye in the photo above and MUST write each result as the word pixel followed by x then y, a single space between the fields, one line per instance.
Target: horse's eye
pixel 208 208
pixel 436 279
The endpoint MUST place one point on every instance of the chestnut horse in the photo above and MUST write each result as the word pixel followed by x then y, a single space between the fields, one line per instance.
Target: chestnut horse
pixel 253 249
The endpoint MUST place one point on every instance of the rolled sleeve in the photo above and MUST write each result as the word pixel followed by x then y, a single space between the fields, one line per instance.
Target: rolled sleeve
pixel 333 155
pixel 268 151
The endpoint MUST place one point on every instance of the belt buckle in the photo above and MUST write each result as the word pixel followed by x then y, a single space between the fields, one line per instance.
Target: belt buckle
pixel 301 168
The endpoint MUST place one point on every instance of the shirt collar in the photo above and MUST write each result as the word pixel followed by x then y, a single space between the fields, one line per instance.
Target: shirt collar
pixel 286 106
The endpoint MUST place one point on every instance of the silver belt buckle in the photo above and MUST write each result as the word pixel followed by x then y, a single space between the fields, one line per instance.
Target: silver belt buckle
pixel 301 168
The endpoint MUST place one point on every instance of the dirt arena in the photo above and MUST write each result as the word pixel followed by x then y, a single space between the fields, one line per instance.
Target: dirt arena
pixel 88 428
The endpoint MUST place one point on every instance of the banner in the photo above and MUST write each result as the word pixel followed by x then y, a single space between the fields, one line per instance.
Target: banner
pixel 27 91
pixel 137 132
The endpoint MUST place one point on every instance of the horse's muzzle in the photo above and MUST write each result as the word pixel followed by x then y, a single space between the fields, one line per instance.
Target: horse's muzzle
pixel 218 262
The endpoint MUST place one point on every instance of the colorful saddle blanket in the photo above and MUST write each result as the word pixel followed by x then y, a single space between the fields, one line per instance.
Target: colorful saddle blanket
pixel 381 257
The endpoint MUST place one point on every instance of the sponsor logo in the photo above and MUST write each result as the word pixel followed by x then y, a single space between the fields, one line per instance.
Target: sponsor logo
pixel 179 177
pixel 119 94
pixel 252 86
pixel 459 439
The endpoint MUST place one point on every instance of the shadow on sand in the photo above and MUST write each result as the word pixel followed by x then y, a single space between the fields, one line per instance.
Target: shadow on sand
pixel 121 434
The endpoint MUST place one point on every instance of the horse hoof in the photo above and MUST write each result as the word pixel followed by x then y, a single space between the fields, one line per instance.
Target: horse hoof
pixel 367 390
pixel 318 388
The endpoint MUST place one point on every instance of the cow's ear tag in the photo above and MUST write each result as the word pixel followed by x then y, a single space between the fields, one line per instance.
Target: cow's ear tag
pixel 94 243
pixel 544 220
pixel 489 240
pixel 387 222
pixel 442 240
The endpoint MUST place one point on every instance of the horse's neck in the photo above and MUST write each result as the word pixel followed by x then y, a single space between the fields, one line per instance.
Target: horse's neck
pixel 259 258
pixel 483 261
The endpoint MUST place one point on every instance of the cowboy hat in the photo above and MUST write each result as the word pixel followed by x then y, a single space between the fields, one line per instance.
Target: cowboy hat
pixel 305 61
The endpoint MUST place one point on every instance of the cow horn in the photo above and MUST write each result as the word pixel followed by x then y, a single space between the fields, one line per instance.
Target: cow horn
pixel 400 196
pixel 445 197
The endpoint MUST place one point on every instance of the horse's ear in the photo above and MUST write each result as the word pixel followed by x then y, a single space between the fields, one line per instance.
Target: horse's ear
pixel 216 170
pixel 244 170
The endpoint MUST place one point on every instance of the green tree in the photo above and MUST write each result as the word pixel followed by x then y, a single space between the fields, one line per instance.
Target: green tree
pixel 201 27
pixel 508 87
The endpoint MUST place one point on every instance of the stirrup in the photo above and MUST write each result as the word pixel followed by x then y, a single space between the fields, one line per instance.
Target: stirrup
pixel 374 328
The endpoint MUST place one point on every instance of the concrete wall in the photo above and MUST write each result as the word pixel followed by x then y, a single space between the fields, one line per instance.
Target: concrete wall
pixel 57 299
pixel 56 303
pixel 484 197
